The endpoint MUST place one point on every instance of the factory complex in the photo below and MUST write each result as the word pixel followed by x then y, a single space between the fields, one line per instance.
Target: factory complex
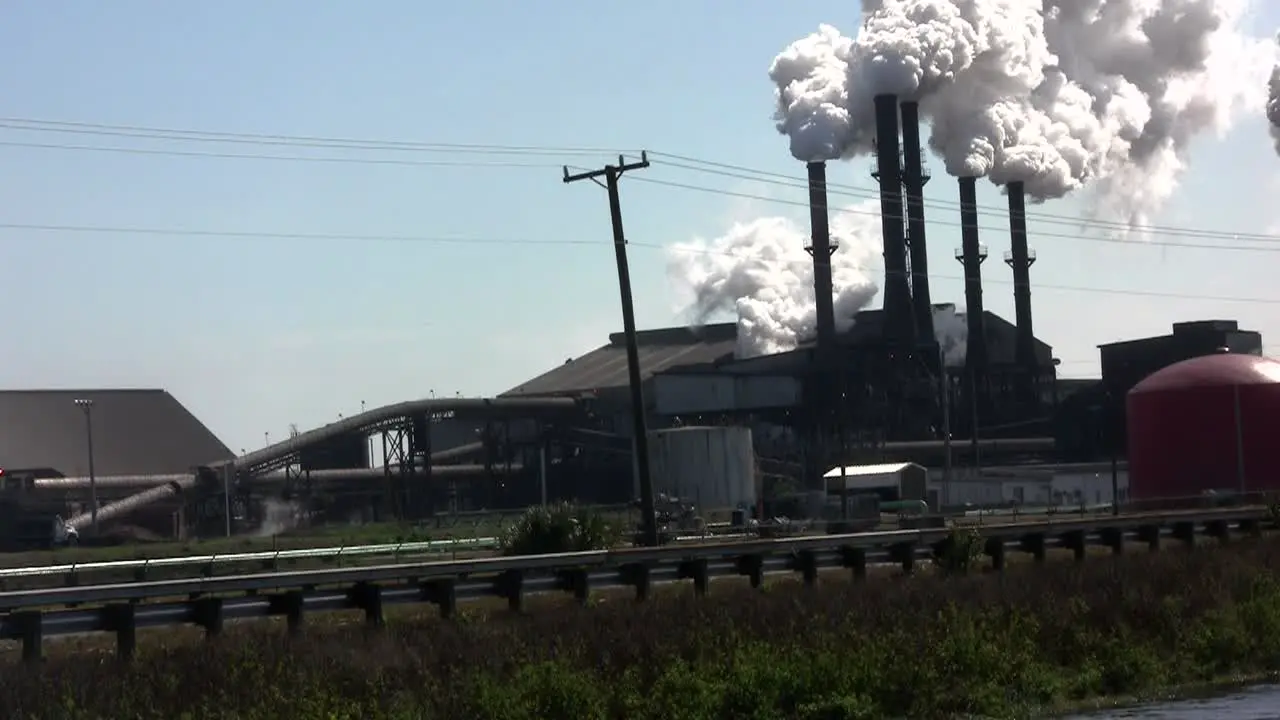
pixel 870 405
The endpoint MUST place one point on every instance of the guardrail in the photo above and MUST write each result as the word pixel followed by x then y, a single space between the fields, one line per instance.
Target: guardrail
pixel 207 602
pixel 270 559
pixel 209 564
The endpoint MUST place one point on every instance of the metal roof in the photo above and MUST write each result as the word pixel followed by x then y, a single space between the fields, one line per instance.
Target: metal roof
pixel 669 348
pixel 869 470
pixel 606 366
pixel 135 432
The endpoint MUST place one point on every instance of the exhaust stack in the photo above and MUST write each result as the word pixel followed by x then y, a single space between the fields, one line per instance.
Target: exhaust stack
pixel 1021 258
pixel 899 325
pixel 914 178
pixel 972 254
pixel 821 250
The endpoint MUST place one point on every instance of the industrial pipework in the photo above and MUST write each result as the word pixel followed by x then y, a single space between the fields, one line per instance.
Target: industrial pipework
pixel 1021 258
pixel 821 249
pixel 899 325
pixel 914 178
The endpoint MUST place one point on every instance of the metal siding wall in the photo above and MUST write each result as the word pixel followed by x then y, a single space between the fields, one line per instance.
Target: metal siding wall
pixel 692 394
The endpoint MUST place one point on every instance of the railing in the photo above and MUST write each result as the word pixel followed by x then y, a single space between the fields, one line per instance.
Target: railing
pixel 209 564
pixel 269 558
pixel 32 615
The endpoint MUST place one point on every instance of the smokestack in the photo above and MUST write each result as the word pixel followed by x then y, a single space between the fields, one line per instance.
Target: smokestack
pixel 914 179
pixel 899 325
pixel 821 249
pixel 972 254
pixel 1020 258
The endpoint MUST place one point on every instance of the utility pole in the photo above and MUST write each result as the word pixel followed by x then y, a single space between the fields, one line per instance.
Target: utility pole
pixel 611 173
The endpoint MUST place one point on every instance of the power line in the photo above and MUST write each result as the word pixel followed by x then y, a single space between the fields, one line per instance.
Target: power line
pixel 986 228
pixel 673 160
pixel 151 133
pixel 258 235
pixel 290 158
pixel 458 240
pixel 668 183
pixel 871 193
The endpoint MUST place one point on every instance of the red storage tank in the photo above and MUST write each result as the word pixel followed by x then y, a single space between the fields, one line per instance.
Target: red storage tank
pixel 1209 423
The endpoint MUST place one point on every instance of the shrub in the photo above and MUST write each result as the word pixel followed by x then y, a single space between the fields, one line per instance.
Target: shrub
pixel 1033 639
pixel 558 528
pixel 960 551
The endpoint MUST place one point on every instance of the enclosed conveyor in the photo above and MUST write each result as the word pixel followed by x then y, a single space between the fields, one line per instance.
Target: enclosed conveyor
pixel 172 486
pixel 383 415
pixel 111 511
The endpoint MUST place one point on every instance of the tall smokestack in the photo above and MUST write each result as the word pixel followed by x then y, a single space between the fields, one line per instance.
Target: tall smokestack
pixel 1020 258
pixel 914 179
pixel 972 254
pixel 899 325
pixel 821 250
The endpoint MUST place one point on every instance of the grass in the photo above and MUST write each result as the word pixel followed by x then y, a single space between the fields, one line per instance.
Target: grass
pixel 1031 640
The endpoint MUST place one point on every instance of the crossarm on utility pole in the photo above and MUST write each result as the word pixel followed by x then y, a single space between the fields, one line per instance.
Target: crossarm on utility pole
pixel 611 173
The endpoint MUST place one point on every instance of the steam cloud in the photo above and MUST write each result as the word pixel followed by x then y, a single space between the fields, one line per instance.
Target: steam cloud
pixel 760 273
pixel 1060 94
pixel 1273 103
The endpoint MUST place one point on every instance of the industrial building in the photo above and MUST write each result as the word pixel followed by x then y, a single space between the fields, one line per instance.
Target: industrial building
pixel 998 427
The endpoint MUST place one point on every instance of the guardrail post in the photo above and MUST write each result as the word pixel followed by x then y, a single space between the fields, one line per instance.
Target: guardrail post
pixel 1150 534
pixel 1035 545
pixel 905 555
pixel 30 626
pixel 637 574
pixel 122 620
pixel 510 585
pixel 994 549
pixel 695 570
pixel 1186 532
pixel 1251 527
pixel 854 558
pixel 208 615
pixel 367 596
pixel 1114 539
pixel 806 562
pixel 291 605
pixel 444 593
pixel 1218 529
pixel 752 566
pixel 576 581
pixel 1074 541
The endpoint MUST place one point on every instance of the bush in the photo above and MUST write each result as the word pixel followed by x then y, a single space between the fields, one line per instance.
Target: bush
pixel 558 528
pixel 960 551
pixel 1034 639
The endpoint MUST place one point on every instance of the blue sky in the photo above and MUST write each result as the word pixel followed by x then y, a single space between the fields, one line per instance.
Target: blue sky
pixel 256 333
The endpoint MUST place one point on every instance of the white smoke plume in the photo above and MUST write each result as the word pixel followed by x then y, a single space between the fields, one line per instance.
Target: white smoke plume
pixel 1060 94
pixel 278 516
pixel 952 331
pixel 1273 103
pixel 759 273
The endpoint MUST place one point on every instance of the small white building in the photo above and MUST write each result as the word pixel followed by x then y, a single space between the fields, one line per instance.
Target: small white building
pixel 891 481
